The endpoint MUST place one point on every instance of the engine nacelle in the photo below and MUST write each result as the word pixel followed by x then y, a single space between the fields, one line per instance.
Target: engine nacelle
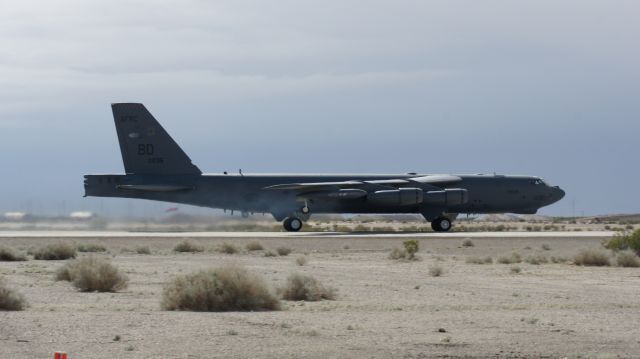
pixel 396 197
pixel 447 197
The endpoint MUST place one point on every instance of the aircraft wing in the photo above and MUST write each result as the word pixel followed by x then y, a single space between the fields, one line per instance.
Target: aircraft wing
pixel 430 182
pixel 335 185
pixel 437 179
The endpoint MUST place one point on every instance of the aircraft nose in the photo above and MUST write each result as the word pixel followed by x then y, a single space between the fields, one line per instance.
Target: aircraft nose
pixel 557 194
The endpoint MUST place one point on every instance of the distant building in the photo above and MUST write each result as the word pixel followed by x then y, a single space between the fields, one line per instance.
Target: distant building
pixel 82 215
pixel 15 216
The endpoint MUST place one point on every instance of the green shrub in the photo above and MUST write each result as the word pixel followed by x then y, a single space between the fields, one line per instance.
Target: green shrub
pixel 93 274
pixel 56 251
pixel 411 247
pixel 283 251
pixel 91 247
pixel 624 241
pixel 187 247
pixel 10 299
pixel 254 246
pixel 591 258
pixel 9 255
pixel 307 288
pixel 219 290
pixel 627 259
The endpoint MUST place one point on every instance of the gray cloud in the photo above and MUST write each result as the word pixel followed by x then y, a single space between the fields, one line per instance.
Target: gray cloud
pixel 542 87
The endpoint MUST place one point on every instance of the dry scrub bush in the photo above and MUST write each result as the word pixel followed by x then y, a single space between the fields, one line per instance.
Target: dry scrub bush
pixel 467 243
pixel 515 270
pixel 9 298
pixel 624 241
pixel 91 247
pixel 269 254
pixel 409 251
pixel 304 287
pixel 143 250
pixel 301 260
pixel 536 259
pixel 558 259
pixel 436 271
pixel 186 246
pixel 219 290
pixel 397 253
pixel 627 259
pixel 254 246
pixel 9 255
pixel 478 260
pixel 283 251
pixel 591 258
pixel 56 251
pixel 93 274
pixel 545 247
pixel 514 258
pixel 228 248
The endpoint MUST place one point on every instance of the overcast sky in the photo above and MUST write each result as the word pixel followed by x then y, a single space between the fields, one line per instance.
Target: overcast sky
pixel 548 88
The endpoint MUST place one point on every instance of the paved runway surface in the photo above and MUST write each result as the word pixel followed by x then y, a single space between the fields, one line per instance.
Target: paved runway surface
pixel 103 234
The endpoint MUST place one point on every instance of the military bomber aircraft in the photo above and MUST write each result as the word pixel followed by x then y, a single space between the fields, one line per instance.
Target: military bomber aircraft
pixel 156 168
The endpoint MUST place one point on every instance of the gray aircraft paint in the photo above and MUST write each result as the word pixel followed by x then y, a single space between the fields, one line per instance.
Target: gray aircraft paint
pixel 157 169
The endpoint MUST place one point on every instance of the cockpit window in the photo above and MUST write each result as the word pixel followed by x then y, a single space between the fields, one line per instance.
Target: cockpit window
pixel 538 181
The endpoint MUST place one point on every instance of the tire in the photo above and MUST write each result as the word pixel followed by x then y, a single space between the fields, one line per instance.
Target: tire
pixel 445 224
pixel 295 224
pixel 441 224
pixel 292 224
pixel 287 224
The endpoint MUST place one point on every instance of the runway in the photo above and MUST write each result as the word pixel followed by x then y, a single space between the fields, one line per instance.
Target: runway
pixel 123 234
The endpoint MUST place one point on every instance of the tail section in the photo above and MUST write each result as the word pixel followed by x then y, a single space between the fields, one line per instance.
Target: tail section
pixel 145 146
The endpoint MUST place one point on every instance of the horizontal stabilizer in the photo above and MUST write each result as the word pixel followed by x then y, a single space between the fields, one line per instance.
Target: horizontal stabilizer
pixel 154 187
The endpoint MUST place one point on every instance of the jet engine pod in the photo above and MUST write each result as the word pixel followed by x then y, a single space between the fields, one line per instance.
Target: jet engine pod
pixel 396 197
pixel 447 197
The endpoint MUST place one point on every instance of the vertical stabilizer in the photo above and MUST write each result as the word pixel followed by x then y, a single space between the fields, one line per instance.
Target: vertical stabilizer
pixel 145 146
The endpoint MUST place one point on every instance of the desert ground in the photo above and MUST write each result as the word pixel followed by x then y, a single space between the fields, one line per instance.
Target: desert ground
pixel 384 308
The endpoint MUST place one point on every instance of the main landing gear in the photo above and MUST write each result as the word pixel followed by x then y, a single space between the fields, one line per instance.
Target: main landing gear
pixel 441 224
pixel 292 224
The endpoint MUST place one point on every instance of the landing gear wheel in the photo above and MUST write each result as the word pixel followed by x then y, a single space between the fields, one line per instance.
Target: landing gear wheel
pixel 441 224
pixel 292 224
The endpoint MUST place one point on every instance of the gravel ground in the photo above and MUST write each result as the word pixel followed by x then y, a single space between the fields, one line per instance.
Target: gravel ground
pixel 384 308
